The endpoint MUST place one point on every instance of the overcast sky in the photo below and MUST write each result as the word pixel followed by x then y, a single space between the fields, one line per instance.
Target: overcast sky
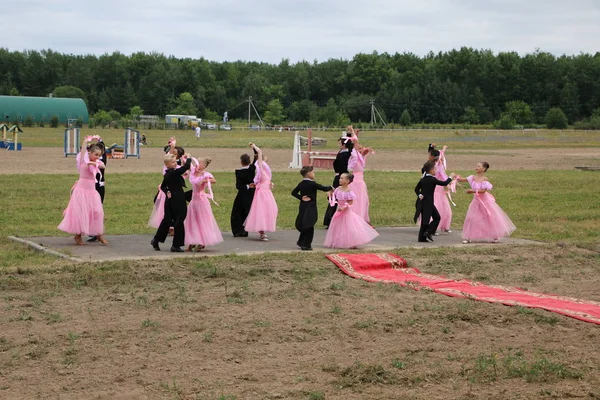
pixel 270 30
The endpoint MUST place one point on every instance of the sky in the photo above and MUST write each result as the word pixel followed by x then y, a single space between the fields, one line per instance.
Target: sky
pixel 270 30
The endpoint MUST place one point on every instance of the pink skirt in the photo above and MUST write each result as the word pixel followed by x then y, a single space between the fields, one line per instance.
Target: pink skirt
pixel 200 224
pixel 263 212
pixel 485 220
pixel 158 212
pixel 361 204
pixel 442 204
pixel 84 215
pixel 348 229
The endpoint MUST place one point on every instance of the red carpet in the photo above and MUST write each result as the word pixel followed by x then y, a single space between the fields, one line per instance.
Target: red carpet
pixel 390 268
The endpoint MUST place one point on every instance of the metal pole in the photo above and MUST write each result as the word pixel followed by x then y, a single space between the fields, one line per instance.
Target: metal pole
pixel 249 109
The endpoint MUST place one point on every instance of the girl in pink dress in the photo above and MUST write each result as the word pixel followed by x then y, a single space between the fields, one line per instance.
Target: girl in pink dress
pixel 356 164
pixel 485 220
pixel 85 214
pixel 440 199
pixel 347 229
pixel 201 228
pixel 263 212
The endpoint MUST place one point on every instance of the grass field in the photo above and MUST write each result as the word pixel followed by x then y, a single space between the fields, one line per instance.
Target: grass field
pixel 279 326
pixel 410 139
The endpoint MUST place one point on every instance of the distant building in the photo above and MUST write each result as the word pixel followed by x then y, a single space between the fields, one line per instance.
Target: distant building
pixel 42 109
pixel 151 120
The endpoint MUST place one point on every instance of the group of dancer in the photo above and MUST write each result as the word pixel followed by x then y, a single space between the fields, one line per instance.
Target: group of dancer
pixel 255 210
pixel 485 220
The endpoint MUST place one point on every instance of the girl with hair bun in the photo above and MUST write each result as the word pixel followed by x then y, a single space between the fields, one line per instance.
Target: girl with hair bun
pixel 201 227
pixel 347 229
pixel 485 220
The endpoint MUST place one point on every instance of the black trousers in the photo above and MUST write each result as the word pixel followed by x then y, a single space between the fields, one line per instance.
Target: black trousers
pixel 240 211
pixel 427 227
pixel 175 213
pixel 306 237
pixel 331 209
pixel 100 190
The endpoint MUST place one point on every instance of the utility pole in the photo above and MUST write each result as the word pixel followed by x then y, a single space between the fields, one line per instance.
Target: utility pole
pixel 249 105
pixel 250 108
pixel 375 113
pixel 373 119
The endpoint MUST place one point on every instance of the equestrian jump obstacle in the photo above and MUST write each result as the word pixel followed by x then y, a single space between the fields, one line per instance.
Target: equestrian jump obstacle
pixel 130 148
pixel 72 141
pixel 317 159
pixel 132 143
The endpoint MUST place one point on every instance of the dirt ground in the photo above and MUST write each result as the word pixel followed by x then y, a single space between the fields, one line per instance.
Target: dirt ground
pixel 294 327
pixel 51 160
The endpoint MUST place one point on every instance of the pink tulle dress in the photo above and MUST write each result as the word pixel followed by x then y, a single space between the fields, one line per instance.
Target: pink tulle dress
pixel 263 212
pixel 158 211
pixel 348 229
pixel 200 224
pixel 485 220
pixel 440 199
pixel 357 165
pixel 84 215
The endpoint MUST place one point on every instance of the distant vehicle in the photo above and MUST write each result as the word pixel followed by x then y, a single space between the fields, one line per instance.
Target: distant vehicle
pixel 212 127
pixel 255 127
pixel 225 127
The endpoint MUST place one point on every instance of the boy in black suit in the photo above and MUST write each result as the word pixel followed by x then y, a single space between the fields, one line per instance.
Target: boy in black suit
pixel 340 166
pixel 244 183
pixel 175 204
pixel 425 207
pixel 306 192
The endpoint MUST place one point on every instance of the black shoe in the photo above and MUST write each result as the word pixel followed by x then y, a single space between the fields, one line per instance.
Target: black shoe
pixel 305 248
pixel 423 241
pixel 245 234
pixel 92 239
pixel 175 249
pixel 154 244
pixel 237 235
pixel 298 244
pixel 429 237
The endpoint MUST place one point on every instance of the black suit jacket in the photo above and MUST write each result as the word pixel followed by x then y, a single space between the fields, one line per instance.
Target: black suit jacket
pixel 173 180
pixel 244 177
pixel 340 165
pixel 307 210
pixel 426 187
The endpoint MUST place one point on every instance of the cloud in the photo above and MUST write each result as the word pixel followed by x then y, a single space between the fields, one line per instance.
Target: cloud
pixel 269 30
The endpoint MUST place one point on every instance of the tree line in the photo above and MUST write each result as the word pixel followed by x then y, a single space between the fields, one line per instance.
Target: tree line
pixel 466 86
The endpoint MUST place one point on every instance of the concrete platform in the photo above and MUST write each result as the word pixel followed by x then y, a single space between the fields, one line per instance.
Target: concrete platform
pixel 136 247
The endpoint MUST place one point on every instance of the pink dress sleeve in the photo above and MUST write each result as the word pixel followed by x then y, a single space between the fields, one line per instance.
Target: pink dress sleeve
pixel 351 196
pixel 470 180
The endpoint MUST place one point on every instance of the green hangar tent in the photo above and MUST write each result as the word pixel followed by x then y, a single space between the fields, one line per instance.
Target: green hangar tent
pixel 18 108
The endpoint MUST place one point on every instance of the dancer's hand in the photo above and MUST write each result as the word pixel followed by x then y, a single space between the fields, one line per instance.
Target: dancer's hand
pixel 252 186
pixel 470 191
pixel 168 194
pixel 305 198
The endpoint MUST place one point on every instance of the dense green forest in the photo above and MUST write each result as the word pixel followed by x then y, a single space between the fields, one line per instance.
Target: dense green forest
pixel 460 86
